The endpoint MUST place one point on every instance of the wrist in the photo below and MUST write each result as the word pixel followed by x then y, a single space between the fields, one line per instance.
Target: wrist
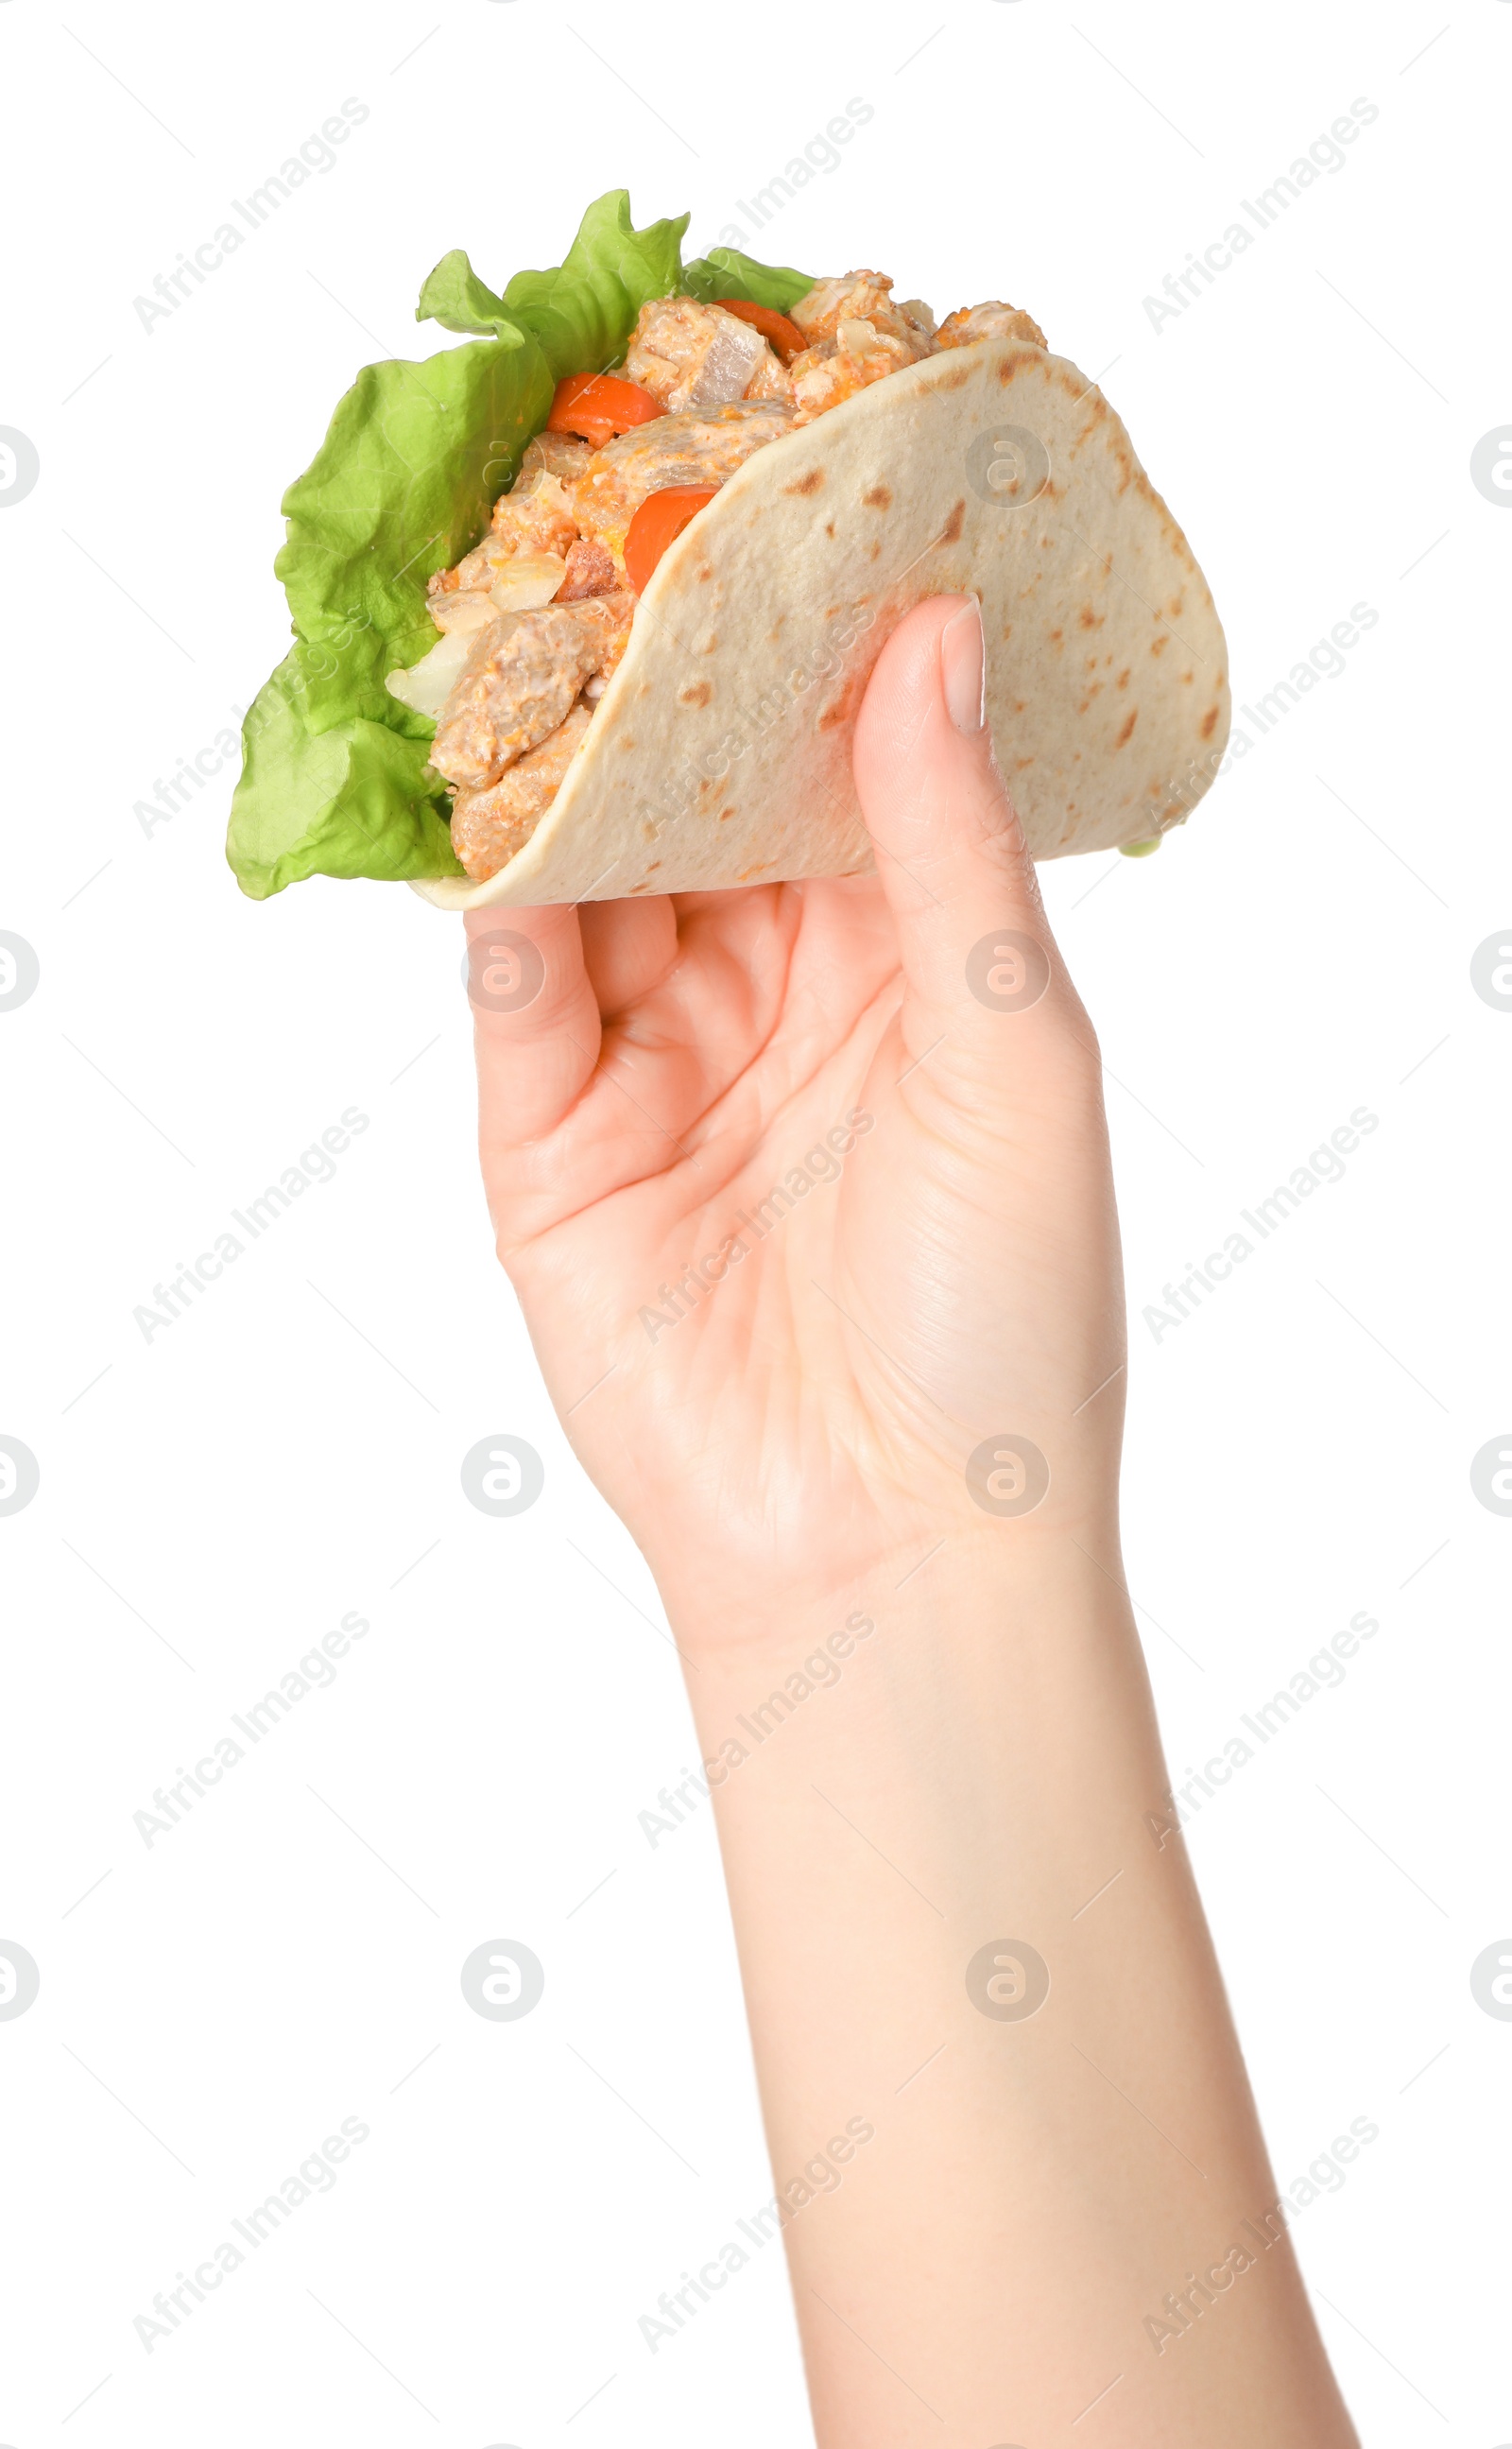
pixel 949 1576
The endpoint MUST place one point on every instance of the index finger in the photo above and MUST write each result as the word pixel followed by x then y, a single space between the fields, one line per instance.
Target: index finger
pixel 535 1020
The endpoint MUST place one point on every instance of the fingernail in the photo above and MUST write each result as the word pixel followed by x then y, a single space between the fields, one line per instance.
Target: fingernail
pixel 963 667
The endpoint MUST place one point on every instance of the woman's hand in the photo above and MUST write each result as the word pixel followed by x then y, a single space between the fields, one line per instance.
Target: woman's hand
pixel 804 1188
pixel 921 1706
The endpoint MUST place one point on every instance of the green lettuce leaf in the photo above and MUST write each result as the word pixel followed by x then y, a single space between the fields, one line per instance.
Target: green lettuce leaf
pixel 455 296
pixel 357 799
pixel 727 273
pixel 584 313
pixel 335 778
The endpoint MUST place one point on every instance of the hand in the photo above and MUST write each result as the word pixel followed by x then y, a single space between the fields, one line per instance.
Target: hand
pixel 788 1441
pixel 808 1404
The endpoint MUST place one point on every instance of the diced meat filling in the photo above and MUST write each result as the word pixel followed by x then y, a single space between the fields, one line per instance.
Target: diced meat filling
pixel 857 333
pixel 523 705
pixel 864 298
pixel 989 322
pixel 551 455
pixel 833 371
pixel 590 572
pixel 688 355
pixel 519 682
pixel 693 446
pixel 539 519
pixel 488 827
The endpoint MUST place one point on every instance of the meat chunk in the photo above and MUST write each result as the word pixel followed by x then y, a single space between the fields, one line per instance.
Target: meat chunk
pixel 771 380
pixel 534 523
pixel 520 680
pixel 690 447
pixel 564 455
pixel 590 572
pixel 857 332
pixel 864 298
pixel 826 375
pixel 488 827
pixel 536 516
pixel 690 356
pixel 990 322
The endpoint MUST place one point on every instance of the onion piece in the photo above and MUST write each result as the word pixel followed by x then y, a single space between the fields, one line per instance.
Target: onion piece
pixel 425 685
pixel 526 582
pixel 465 607
pixel 855 336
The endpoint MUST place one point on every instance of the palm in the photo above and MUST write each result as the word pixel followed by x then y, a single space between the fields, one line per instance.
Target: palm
pixel 942 1284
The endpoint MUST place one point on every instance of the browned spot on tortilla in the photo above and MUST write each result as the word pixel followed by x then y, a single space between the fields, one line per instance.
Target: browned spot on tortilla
pixel 953 381
pixel 1123 680
pixel 951 533
pixel 1132 719
pixel 706 788
pixel 704 575
pixel 1090 619
pixel 725 813
pixel 875 549
pixel 1057 635
pixel 809 484
pixel 627 743
pixel 1159 646
pixel 1209 723
pixel 877 497
pixel 696 693
pixel 828 527
pixel 1020 762
pixel 1007 368
pixel 843 704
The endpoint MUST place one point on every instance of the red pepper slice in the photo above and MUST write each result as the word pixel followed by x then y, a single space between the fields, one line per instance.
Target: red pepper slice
pixel 598 406
pixel 780 329
pixel 659 522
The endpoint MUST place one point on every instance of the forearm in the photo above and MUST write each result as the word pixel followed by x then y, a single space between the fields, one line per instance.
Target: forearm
pixel 999 2249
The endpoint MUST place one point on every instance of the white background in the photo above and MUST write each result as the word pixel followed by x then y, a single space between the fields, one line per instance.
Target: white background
pixel 214 1500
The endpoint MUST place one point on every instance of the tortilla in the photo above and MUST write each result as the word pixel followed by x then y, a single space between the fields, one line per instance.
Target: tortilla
pixel 719 754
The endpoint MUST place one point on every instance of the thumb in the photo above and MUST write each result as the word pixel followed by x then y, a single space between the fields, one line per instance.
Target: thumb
pixel 973 935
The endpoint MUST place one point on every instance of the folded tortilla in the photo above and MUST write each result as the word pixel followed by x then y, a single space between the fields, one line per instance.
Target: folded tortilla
pixel 719 754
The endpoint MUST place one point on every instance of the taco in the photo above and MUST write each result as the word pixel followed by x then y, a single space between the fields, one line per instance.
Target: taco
pixel 568 633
